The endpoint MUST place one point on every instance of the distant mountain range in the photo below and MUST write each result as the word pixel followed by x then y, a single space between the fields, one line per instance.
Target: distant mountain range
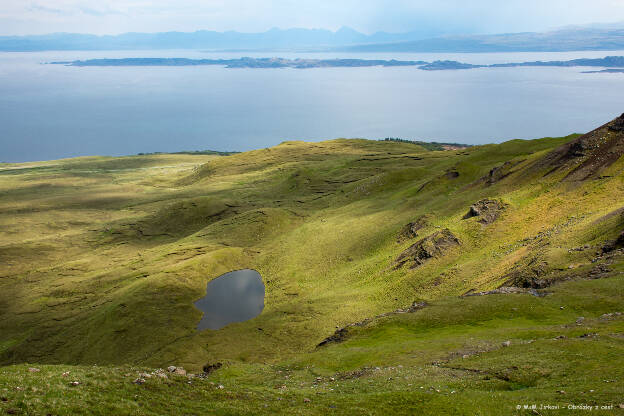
pixel 567 39
pixel 270 40
pixel 606 37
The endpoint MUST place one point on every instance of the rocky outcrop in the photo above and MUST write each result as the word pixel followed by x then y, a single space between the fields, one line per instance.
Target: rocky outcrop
pixel 410 230
pixel 488 211
pixel 451 174
pixel 499 173
pixel 613 245
pixel 432 246
pixel 505 290
pixel 341 334
pixel 529 276
pixel 338 336
pixel 533 273
pixel 617 124
pixel 176 370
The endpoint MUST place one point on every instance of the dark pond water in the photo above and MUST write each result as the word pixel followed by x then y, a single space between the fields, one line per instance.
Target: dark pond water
pixel 233 297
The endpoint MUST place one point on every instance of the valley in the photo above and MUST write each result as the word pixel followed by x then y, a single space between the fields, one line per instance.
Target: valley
pixel 396 278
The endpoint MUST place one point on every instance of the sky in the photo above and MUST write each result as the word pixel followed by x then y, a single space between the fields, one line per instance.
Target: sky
pixel 20 17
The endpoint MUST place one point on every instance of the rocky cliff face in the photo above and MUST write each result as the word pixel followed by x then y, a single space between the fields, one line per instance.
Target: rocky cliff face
pixel 586 157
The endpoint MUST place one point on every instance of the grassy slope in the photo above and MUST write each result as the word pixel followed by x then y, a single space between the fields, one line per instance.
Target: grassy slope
pixel 447 359
pixel 103 257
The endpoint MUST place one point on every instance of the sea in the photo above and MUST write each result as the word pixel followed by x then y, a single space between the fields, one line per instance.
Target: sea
pixel 57 111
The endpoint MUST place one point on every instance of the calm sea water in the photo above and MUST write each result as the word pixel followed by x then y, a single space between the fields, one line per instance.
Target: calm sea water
pixel 53 111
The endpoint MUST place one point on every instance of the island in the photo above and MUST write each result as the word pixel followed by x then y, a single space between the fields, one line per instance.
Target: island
pixel 614 64
pixel 244 62
pixel 606 71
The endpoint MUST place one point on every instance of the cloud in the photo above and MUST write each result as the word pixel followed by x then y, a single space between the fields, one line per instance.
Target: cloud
pixel 39 8
pixel 439 16
pixel 100 12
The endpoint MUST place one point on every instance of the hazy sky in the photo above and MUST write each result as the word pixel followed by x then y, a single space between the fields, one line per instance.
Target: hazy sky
pixel 453 16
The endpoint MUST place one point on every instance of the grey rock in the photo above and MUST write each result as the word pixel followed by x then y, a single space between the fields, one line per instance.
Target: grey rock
pixel 487 210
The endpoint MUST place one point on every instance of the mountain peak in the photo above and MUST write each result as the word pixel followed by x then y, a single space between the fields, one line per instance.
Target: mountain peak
pixel 347 29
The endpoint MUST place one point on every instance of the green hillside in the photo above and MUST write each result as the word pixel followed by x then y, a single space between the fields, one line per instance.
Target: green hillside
pixel 102 258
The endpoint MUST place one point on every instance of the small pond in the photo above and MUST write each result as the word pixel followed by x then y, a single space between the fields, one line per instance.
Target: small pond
pixel 233 297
